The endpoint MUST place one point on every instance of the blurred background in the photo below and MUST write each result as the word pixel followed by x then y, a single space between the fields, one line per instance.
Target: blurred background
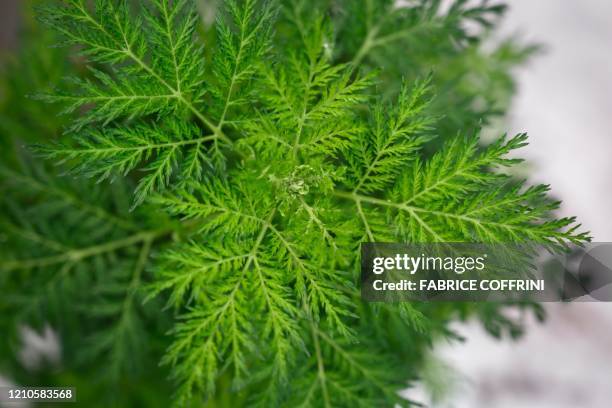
pixel 564 102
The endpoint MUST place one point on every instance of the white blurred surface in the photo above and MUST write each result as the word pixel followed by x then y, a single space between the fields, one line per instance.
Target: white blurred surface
pixel 565 104
pixel 565 363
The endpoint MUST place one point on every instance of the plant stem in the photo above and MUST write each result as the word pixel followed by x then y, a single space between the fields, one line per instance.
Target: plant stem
pixel 76 255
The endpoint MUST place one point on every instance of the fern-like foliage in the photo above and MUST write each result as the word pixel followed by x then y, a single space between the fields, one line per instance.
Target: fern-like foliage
pixel 110 35
pixel 152 66
pixel 393 137
pixel 257 155
pixel 470 76
pixel 455 197
pixel 79 259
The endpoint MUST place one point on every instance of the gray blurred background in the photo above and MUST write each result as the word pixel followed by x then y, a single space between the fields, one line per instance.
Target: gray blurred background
pixel 565 104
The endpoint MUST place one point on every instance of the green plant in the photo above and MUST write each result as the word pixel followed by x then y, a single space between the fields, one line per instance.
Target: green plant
pixel 248 161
